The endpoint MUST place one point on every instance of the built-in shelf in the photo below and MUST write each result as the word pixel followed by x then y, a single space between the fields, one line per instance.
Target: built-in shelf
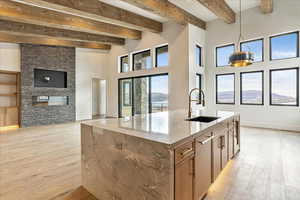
pixel 8 107
pixel 8 94
pixel 8 83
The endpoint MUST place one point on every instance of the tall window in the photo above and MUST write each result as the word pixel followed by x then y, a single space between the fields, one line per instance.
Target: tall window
pixel 142 60
pixel 199 84
pixel 252 88
pixel 125 97
pixel 225 89
pixel 222 55
pixel 256 47
pixel 284 84
pixel 124 64
pixel 141 95
pixel 284 46
pixel 159 93
pixel 162 56
pixel 198 55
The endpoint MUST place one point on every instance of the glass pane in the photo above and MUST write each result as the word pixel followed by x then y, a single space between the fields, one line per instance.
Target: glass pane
pixel 199 85
pixel 124 64
pixel 284 87
pixel 125 97
pixel 142 60
pixel 50 100
pixel 256 47
pixel 252 88
pixel 198 55
pixel 141 95
pixel 284 46
pixel 159 93
pixel 225 88
pixel 223 54
pixel 162 56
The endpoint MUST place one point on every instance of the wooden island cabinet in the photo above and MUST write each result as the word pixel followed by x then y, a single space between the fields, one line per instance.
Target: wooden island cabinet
pixel 207 155
pixel 158 156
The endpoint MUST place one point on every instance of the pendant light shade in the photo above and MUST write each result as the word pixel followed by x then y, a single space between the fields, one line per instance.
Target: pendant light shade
pixel 241 59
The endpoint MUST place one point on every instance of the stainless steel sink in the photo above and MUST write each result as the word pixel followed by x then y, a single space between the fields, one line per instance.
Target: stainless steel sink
pixel 205 119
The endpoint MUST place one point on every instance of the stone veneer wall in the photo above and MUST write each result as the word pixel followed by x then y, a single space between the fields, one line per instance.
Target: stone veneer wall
pixel 50 58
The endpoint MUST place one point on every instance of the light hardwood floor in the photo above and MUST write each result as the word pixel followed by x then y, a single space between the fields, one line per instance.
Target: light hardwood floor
pixel 43 163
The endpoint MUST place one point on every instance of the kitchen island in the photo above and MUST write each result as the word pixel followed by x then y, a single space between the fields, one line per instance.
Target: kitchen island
pixel 159 156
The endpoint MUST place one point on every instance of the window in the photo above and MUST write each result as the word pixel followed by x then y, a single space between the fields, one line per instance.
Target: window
pixel 125 100
pixel 141 95
pixel 284 46
pixel 222 55
pixel 252 88
pixel 199 81
pixel 225 89
pixel 284 85
pixel 198 55
pixel 162 56
pixel 124 64
pixel 142 60
pixel 159 93
pixel 256 47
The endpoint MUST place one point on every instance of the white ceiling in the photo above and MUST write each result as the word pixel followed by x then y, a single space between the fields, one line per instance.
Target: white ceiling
pixel 191 6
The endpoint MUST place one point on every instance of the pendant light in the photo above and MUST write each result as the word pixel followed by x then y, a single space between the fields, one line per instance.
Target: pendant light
pixel 241 58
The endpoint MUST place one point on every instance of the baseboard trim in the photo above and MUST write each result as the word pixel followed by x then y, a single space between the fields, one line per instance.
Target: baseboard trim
pixel 286 127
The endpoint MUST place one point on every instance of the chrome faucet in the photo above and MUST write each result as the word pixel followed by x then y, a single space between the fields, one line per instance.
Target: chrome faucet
pixel 197 100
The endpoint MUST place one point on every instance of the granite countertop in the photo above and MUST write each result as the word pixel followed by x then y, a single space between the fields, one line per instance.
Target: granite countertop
pixel 165 127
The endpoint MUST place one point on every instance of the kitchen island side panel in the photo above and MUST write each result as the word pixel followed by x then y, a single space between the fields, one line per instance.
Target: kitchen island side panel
pixel 123 167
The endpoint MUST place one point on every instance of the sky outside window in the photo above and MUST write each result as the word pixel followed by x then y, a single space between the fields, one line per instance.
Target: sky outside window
pixel 284 87
pixel 162 56
pixel 284 46
pixel 225 89
pixel 256 47
pixel 223 54
pixel 252 88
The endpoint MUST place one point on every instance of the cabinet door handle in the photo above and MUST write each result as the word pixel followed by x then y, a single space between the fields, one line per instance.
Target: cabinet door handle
pixel 207 140
pixel 186 151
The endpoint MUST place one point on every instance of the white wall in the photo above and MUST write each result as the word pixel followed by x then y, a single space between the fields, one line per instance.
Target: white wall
pixel 10 57
pixel 90 64
pixel 196 37
pixel 176 36
pixel 285 18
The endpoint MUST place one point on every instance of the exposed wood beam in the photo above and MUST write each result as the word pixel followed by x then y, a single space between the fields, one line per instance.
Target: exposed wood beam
pixel 36 30
pixel 19 12
pixel 11 38
pixel 220 9
pixel 100 11
pixel 266 6
pixel 168 10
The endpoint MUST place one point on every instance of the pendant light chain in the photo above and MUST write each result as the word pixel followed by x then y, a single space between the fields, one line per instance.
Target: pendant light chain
pixel 240 36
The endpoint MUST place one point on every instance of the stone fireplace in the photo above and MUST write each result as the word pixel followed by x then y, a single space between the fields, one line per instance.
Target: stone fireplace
pixel 47 104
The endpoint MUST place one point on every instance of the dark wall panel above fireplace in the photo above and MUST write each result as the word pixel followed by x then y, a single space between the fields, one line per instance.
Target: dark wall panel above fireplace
pixel 58 59
pixel 50 78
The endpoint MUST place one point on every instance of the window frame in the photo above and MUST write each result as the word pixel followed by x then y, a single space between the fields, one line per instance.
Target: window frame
pixel 123 94
pixel 216 53
pixel 138 52
pixel 120 61
pixel 263 47
pixel 282 34
pixel 200 57
pixel 233 103
pixel 132 91
pixel 297 86
pixel 241 89
pixel 156 48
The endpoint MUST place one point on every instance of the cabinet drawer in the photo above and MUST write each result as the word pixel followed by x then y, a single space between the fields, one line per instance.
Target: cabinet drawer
pixel 184 151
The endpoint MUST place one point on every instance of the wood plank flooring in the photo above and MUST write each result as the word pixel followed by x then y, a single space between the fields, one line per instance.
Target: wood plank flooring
pixel 43 163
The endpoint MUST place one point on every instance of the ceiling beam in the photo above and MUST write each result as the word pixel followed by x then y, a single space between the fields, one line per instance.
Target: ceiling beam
pixel 220 8
pixel 100 11
pixel 36 30
pixel 266 6
pixel 11 38
pixel 168 10
pixel 19 12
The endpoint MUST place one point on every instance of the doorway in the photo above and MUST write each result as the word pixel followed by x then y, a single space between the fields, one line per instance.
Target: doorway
pixel 99 95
